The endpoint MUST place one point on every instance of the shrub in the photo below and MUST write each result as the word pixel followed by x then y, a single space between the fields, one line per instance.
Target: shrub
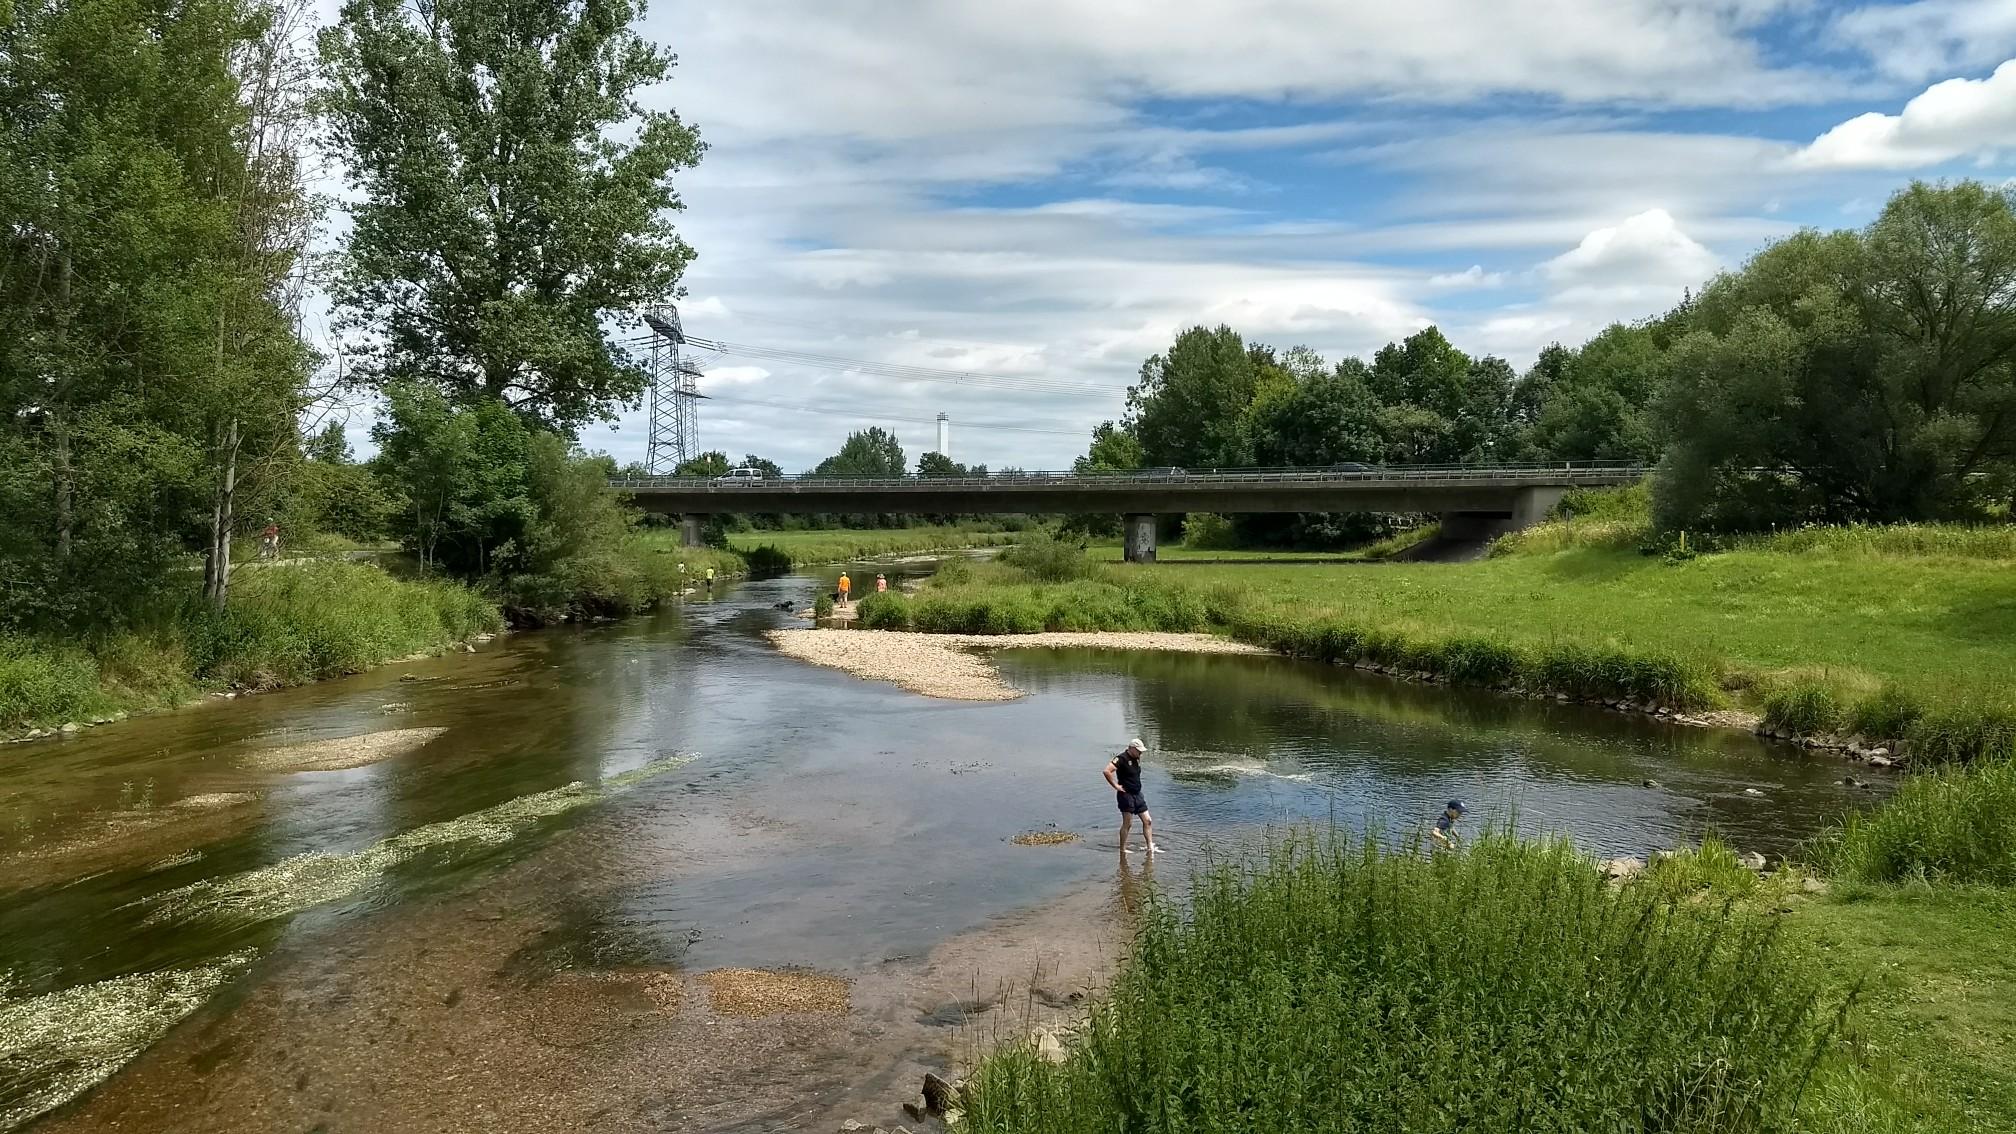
pixel 1712 867
pixel 44 682
pixel 766 560
pixel 1340 988
pixel 822 607
pixel 1955 825
pixel 1050 561
pixel 1804 708
pixel 1887 715
pixel 1208 531
pixel 885 610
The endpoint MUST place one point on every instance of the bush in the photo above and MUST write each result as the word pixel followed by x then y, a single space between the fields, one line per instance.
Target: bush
pixel 45 682
pixel 883 611
pixel 822 607
pixel 1050 561
pixel 1805 708
pixel 766 560
pixel 1888 715
pixel 1339 988
pixel 1207 531
pixel 1953 825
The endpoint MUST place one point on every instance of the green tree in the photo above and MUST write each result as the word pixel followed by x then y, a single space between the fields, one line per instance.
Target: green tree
pixel 710 464
pixel 515 195
pixel 462 474
pixel 1188 407
pixel 1327 418
pixel 1114 449
pixel 1851 376
pixel 770 469
pixel 871 452
pixel 1599 401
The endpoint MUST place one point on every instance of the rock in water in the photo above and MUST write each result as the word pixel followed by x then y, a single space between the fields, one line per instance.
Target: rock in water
pixel 1751 791
pixel 1754 861
pixel 1880 761
pixel 1626 867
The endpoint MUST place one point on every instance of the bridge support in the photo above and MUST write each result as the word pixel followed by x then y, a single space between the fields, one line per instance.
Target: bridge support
pixel 1529 506
pixel 692 531
pixel 1139 529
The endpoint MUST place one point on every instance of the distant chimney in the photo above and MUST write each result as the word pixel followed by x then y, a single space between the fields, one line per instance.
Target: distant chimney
pixel 944 436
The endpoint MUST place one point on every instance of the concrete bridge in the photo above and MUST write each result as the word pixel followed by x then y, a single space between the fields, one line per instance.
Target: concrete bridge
pixel 1473 501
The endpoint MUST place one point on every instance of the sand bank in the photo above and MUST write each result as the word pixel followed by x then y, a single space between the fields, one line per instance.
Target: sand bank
pixel 946 665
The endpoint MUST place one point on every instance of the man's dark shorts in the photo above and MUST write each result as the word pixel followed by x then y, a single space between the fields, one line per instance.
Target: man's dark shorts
pixel 1133 803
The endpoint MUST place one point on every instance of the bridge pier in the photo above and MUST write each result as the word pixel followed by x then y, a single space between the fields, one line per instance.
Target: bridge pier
pixel 1139 529
pixel 1529 506
pixel 692 531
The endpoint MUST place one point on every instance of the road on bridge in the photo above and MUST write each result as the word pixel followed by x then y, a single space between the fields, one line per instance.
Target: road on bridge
pixel 1471 499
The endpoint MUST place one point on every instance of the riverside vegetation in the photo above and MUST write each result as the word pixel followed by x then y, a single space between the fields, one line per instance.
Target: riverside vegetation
pixel 1896 634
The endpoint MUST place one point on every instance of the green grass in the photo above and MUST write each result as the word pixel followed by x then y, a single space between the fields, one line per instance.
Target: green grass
pixel 1955 825
pixel 1334 987
pixel 1180 553
pixel 284 626
pixel 1930 1045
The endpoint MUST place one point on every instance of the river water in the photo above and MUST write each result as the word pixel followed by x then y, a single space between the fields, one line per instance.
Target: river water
pixel 510 927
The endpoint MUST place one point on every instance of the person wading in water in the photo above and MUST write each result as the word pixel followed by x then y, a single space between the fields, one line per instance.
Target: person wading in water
pixel 1123 772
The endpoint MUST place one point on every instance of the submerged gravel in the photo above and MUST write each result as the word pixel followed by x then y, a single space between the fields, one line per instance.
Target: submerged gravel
pixel 946 665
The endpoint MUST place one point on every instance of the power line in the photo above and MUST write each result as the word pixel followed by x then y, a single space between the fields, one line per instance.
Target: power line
pixel 972 379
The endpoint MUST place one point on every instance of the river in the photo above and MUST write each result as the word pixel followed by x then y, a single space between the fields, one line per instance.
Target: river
pixel 523 924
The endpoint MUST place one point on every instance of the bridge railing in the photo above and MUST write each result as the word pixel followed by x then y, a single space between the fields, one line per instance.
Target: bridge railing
pixel 1595 472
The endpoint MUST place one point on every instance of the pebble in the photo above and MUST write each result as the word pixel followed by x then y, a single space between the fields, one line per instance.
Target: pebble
pixel 1752 791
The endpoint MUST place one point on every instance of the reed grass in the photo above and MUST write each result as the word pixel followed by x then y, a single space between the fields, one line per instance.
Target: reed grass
pixel 1329 985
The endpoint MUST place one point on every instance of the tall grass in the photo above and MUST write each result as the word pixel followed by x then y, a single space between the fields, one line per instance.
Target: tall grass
pixel 1953 825
pixel 283 626
pixel 1335 987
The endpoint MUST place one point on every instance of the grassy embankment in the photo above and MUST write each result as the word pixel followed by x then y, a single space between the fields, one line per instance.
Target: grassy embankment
pixel 1902 633
pixel 1331 987
pixel 284 626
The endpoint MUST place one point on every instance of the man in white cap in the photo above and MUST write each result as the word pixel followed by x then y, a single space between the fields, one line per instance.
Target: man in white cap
pixel 1123 772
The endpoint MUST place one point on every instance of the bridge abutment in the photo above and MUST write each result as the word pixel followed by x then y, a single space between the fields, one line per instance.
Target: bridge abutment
pixel 1139 529
pixel 692 531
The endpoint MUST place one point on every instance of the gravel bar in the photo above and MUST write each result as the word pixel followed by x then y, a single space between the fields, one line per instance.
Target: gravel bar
pixel 945 665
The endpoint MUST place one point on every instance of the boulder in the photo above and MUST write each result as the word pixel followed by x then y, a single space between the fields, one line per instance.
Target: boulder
pixel 1879 751
pixel 1048 1047
pixel 69 727
pixel 1753 861
pixel 1651 783
pixel 1813 886
pixel 916 1109
pixel 1621 868
pixel 939 1095
pixel 1881 762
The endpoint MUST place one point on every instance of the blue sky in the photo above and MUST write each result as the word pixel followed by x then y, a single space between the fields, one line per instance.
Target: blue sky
pixel 1048 190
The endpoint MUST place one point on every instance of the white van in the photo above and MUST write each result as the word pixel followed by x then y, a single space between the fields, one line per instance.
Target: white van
pixel 741 476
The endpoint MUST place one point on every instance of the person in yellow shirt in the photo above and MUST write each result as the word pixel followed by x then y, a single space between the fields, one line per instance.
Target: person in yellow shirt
pixel 846 586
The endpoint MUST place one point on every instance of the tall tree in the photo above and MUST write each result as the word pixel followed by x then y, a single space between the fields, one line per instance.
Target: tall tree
pixel 1873 373
pixel 871 452
pixel 1114 449
pixel 1188 406
pixel 515 195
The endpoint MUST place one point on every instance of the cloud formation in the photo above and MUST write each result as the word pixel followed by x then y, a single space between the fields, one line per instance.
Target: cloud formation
pixel 1952 119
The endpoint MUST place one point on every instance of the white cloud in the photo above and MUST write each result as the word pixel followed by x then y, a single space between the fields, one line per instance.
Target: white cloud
pixel 1647 248
pixel 1471 278
pixel 1949 120
pixel 1931 37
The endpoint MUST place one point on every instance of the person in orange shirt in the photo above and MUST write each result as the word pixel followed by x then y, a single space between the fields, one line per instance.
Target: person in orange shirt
pixel 846 585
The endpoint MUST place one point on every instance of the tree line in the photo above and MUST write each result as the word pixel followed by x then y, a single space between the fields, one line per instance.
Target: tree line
pixel 1852 376
pixel 509 210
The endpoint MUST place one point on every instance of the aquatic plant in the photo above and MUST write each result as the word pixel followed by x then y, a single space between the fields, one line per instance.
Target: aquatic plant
pixel 1355 987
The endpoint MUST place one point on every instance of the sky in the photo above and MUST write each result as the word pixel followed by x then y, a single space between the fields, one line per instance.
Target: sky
pixel 1044 193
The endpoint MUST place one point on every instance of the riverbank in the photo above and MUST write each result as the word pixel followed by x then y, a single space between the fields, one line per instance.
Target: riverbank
pixel 950 665
pixel 284 626
pixel 1826 1009
pixel 782 550
pixel 1881 645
